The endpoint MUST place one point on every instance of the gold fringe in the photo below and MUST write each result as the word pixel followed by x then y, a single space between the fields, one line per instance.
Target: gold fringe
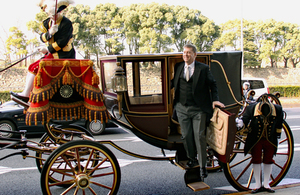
pixel 95 79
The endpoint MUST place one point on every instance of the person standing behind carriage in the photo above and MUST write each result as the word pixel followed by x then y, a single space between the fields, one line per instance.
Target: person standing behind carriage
pixel 57 33
pixel 196 95
pixel 246 91
pixel 264 121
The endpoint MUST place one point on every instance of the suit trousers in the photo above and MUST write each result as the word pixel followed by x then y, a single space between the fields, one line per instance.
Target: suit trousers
pixel 193 127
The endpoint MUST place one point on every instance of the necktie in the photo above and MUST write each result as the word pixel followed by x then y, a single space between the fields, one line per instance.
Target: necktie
pixel 187 73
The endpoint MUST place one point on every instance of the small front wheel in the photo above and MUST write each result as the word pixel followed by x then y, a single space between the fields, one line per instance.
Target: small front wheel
pixel 96 127
pixel 85 166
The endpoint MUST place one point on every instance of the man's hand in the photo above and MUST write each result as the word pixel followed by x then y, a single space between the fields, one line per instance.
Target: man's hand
pixel 217 103
pixel 53 29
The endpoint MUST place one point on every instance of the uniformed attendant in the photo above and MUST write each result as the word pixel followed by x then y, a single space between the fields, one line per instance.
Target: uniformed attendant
pixel 264 121
pixel 57 33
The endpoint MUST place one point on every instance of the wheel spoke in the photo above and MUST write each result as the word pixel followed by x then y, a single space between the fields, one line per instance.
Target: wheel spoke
pixel 62 182
pixel 240 162
pixel 78 160
pixel 101 185
pixel 242 173
pixel 67 190
pixel 96 167
pixel 88 161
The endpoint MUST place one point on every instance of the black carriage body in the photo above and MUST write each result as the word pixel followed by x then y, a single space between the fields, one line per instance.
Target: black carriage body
pixel 147 106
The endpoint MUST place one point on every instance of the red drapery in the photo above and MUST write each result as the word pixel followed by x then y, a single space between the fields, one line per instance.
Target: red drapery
pixel 55 81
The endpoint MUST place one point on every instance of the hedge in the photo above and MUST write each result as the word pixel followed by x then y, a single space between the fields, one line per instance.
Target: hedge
pixel 286 91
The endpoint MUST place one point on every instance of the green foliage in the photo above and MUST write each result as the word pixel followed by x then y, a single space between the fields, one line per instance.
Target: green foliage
pixel 16 43
pixel 286 91
pixel 159 28
pixel 4 96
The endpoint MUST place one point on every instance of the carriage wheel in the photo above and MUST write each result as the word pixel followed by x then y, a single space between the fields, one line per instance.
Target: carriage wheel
pixel 239 171
pixel 47 141
pixel 85 166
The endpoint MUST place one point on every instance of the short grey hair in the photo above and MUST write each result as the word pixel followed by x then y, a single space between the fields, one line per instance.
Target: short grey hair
pixel 191 46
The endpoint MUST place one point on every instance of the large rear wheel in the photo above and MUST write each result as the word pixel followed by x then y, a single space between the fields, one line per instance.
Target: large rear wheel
pixel 85 166
pixel 239 171
pixel 48 141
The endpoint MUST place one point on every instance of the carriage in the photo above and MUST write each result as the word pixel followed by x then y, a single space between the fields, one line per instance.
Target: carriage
pixel 137 95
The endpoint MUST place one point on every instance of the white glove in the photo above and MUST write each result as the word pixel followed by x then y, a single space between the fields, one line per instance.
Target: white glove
pixel 53 29
pixel 239 123
pixel 43 50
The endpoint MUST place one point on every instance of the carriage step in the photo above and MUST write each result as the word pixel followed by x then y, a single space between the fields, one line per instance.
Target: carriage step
pixel 198 186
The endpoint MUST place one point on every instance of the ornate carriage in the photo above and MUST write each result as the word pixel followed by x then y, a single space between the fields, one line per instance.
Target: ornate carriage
pixel 137 96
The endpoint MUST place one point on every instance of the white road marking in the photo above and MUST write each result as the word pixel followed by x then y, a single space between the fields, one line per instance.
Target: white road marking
pixel 285 181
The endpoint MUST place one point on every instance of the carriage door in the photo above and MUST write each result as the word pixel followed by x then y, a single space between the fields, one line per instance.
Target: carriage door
pixel 146 96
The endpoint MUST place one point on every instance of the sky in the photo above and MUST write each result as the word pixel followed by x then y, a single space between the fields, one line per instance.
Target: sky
pixel 18 12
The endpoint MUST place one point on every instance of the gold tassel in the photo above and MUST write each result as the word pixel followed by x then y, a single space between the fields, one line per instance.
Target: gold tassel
pixel 67 78
pixel 95 79
pixel 38 81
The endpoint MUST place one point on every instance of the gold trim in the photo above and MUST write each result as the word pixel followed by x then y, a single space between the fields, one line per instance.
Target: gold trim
pixel 227 81
pixel 44 37
pixel 55 46
pixel 55 55
pixel 69 45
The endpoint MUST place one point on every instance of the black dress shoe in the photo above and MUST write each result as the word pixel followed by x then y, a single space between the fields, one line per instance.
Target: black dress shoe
pixel 192 163
pixel 257 190
pixel 25 99
pixel 270 190
pixel 203 172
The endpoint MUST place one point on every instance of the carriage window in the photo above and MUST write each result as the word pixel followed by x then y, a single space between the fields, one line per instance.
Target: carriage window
pixel 109 70
pixel 144 82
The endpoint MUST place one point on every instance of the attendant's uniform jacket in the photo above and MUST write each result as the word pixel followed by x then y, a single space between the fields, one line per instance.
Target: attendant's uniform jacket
pixel 254 120
pixel 60 45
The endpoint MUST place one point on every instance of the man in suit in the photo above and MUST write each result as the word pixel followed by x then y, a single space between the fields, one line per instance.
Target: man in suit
pixel 196 95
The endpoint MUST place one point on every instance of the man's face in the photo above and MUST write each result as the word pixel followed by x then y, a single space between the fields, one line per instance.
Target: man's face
pixel 188 55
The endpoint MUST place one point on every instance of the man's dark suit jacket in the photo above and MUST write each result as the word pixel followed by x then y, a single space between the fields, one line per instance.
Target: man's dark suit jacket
pixel 204 86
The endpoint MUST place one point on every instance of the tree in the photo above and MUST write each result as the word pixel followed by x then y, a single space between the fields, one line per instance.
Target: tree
pixel 190 26
pixel 203 36
pixel 271 34
pixel 290 44
pixel 155 20
pixel 16 43
pixel 230 36
pixel 109 23
pixel 132 26
pixel 86 35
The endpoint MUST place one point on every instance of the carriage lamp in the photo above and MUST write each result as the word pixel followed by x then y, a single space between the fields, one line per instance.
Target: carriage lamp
pixel 119 84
